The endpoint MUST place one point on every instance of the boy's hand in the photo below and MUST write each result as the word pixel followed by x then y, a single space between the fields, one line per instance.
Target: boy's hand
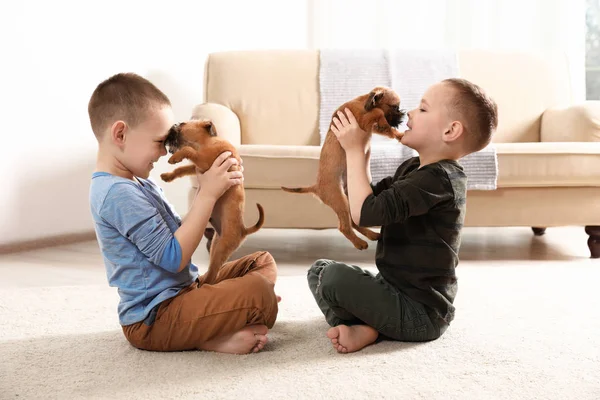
pixel 349 134
pixel 217 179
pixel 199 174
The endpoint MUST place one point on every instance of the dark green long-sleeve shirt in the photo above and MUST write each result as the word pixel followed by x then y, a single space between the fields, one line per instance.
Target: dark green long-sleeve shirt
pixel 421 213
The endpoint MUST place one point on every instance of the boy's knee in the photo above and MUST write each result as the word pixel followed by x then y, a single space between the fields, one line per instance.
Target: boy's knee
pixel 331 277
pixel 263 298
pixel 319 265
pixel 315 271
pixel 260 290
pixel 265 264
pixel 334 272
pixel 265 259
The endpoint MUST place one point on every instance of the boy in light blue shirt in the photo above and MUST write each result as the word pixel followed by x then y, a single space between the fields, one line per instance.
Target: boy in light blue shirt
pixel 147 248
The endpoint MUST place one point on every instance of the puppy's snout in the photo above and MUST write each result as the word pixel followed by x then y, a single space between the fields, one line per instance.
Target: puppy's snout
pixel 395 116
pixel 172 141
pixel 403 115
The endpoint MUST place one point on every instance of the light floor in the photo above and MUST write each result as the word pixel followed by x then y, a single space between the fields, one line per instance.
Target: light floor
pixel 527 327
pixel 295 250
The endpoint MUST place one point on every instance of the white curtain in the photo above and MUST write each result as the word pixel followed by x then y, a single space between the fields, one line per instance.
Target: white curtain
pixel 523 25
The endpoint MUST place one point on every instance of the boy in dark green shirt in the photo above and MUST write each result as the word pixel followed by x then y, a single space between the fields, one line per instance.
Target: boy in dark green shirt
pixel 421 210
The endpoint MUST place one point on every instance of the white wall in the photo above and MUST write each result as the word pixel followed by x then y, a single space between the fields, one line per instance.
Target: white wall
pixel 523 25
pixel 55 53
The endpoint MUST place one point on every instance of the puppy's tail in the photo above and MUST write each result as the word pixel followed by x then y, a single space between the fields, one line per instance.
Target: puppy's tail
pixel 259 224
pixel 310 189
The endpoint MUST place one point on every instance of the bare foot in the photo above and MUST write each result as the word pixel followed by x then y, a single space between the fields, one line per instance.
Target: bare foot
pixel 250 339
pixel 347 339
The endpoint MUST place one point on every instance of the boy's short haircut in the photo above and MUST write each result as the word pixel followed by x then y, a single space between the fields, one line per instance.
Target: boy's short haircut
pixel 125 96
pixel 477 111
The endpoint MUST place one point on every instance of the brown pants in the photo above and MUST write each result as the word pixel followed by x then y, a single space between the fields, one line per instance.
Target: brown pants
pixel 242 295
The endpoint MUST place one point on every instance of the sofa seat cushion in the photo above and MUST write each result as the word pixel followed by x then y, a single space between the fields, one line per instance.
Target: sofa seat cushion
pixel 547 164
pixel 519 165
pixel 268 167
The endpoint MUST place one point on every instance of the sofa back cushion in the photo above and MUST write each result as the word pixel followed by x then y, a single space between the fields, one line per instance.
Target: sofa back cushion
pixel 522 84
pixel 275 93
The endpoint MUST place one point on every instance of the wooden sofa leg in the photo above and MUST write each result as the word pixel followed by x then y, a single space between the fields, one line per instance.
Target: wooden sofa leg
pixel 538 231
pixel 593 240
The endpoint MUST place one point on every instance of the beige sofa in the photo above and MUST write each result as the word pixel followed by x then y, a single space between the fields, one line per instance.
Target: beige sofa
pixel 267 103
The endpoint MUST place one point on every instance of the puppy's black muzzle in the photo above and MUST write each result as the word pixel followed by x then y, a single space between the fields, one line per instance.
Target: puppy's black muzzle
pixel 395 117
pixel 173 140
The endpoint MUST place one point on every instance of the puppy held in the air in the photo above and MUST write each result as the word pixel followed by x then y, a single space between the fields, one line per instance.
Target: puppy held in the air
pixel 376 112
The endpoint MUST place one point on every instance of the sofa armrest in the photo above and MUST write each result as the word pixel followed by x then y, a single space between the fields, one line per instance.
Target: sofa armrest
pixel 226 121
pixel 577 123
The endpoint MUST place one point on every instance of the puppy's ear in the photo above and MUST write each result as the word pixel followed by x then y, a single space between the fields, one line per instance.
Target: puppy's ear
pixel 374 98
pixel 210 128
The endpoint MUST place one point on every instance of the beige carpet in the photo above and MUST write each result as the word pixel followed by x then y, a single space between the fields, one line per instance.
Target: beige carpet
pixel 530 331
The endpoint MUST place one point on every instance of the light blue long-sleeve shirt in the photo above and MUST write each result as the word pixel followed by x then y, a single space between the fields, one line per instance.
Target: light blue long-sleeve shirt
pixel 135 228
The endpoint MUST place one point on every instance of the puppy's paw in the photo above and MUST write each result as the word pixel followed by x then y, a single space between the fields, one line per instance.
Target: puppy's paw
pixel 396 134
pixel 175 158
pixel 360 244
pixel 380 129
pixel 167 176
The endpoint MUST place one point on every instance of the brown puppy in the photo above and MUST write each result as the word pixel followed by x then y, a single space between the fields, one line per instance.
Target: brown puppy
pixel 198 142
pixel 379 112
